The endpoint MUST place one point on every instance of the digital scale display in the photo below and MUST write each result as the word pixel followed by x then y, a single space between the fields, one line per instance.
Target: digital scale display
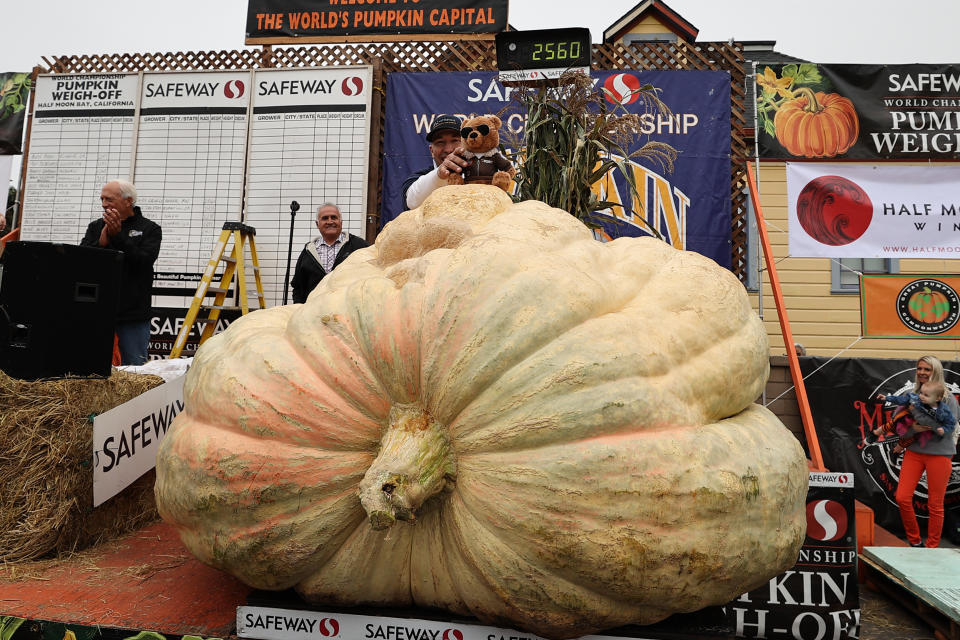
pixel 542 54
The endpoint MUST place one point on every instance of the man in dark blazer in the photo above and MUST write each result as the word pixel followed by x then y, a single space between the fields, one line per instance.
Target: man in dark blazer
pixel 322 254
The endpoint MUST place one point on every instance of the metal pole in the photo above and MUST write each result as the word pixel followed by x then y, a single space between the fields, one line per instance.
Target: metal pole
pixel 294 207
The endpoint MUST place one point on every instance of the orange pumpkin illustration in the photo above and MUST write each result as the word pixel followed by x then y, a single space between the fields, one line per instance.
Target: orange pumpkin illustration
pixel 817 125
pixel 928 306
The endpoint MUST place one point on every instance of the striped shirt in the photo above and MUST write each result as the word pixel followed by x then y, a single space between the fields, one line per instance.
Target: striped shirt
pixel 328 252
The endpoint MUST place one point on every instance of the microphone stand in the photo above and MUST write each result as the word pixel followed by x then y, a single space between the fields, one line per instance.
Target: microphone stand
pixel 294 207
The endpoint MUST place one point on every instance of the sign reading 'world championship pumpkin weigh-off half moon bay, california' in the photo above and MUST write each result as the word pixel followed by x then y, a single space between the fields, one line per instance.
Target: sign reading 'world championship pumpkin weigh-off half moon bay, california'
pixel 315 20
pixel 858 111
pixel 856 211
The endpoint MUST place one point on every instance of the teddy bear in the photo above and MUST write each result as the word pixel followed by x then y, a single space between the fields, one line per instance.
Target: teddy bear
pixel 480 137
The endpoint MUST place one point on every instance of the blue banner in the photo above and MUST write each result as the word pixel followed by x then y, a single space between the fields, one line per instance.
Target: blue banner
pixel 690 207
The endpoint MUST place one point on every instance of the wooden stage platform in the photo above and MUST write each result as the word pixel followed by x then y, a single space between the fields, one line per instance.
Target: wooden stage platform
pixel 146 580
pixel 924 581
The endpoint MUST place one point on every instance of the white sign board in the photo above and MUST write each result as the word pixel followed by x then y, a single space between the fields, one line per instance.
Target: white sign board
pixel 856 211
pixel 203 148
pixel 81 137
pixel 309 142
pixel 266 623
pixel 126 438
pixel 190 151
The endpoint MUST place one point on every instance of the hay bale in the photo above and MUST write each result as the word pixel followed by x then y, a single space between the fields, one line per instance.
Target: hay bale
pixel 46 468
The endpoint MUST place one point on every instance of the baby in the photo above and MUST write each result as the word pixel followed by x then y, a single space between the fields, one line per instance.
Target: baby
pixel 923 408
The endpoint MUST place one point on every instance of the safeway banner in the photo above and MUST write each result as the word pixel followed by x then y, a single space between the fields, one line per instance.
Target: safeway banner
pixel 912 306
pixel 859 211
pixel 818 597
pixel 297 21
pixel 126 438
pixel 264 623
pixel 690 207
pixel 858 111
pixel 843 400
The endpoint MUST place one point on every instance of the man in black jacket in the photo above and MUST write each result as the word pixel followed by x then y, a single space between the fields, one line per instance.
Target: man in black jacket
pixel 447 151
pixel 123 228
pixel 322 254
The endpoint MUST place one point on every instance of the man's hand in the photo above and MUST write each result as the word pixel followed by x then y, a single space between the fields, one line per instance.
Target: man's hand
pixel 111 226
pixel 453 163
pixel 3 222
pixel 881 397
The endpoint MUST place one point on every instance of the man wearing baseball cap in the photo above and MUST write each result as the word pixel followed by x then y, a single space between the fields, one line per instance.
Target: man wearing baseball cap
pixel 444 139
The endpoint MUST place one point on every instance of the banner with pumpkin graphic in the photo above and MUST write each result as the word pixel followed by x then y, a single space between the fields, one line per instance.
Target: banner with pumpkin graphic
pixel 909 306
pixel 858 111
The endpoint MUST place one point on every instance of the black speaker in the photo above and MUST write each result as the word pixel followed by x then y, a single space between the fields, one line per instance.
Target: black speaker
pixel 58 309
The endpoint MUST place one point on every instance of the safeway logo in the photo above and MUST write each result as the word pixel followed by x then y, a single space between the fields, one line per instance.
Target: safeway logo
pixel 233 89
pixel 826 520
pixel 329 627
pixel 352 86
pixel 622 87
pixel 452 634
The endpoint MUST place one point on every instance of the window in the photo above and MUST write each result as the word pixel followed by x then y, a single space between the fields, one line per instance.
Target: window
pixel 843 272
pixel 640 38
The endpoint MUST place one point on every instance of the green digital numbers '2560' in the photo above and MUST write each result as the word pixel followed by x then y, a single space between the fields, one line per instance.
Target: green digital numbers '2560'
pixel 550 51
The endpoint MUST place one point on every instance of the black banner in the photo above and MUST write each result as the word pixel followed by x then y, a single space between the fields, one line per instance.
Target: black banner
pixel 819 597
pixel 165 326
pixel 14 99
pixel 858 111
pixel 313 20
pixel 845 410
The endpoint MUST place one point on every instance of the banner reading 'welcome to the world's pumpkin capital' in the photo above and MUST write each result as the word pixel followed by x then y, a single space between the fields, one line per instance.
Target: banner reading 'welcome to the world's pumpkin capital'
pixel 315 20
pixel 858 111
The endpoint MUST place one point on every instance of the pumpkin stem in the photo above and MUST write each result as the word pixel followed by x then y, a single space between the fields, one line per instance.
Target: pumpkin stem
pixel 415 463
pixel 813 105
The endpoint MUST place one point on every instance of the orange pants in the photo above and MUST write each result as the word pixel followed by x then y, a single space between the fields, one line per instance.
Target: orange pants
pixel 938 470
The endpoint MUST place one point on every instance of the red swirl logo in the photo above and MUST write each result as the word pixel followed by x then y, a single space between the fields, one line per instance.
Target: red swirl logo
pixel 452 634
pixel 233 89
pixel 834 210
pixel 329 627
pixel 826 520
pixel 622 88
pixel 352 86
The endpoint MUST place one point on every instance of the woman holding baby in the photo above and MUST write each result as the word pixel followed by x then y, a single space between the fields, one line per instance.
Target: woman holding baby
pixel 933 454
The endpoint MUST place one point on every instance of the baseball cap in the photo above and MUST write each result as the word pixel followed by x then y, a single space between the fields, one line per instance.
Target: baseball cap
pixel 443 122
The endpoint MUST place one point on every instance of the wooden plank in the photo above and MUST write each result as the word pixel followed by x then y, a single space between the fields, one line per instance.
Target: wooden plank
pixel 932 575
pixel 813 444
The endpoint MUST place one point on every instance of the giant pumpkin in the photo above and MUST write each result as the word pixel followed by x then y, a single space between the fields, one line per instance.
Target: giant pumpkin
pixel 490 412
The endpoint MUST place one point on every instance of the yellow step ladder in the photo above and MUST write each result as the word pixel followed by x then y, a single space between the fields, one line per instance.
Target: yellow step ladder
pixel 242 237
